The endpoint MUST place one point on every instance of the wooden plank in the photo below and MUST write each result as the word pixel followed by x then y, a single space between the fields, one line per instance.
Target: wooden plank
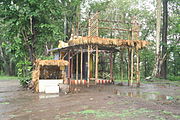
pixel 77 67
pixel 97 60
pixel 132 66
pixel 88 75
pixel 81 64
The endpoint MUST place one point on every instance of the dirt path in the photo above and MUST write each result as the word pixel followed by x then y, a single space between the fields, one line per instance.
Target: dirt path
pixel 149 102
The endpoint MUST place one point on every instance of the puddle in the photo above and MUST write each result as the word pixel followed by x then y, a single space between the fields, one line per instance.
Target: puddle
pixel 145 95
pixel 151 92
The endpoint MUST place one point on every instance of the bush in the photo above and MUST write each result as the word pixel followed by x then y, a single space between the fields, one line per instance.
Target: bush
pixel 173 78
pixel 24 72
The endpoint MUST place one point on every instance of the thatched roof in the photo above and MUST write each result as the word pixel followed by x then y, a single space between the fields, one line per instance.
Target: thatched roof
pixel 52 62
pixel 107 42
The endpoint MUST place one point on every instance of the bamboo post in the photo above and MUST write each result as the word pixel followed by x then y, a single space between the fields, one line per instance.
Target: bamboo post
pixel 89 26
pixel 122 69
pixel 132 66
pixel 81 64
pixel 88 75
pixel 111 66
pixel 72 68
pixel 97 24
pixel 129 65
pixel 60 55
pixel 77 67
pixel 69 68
pixel 137 69
pixel 96 72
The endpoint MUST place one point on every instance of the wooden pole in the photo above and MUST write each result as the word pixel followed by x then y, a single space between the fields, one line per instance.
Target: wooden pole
pixel 89 27
pixel 122 69
pixel 60 55
pixel 111 66
pixel 96 72
pixel 88 75
pixel 129 65
pixel 72 68
pixel 137 69
pixel 69 68
pixel 97 24
pixel 81 64
pixel 132 66
pixel 77 67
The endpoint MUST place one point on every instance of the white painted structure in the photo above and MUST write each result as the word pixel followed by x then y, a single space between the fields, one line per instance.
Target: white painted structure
pixel 49 85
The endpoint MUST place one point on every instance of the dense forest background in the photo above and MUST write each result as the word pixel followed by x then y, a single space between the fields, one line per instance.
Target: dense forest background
pixel 30 27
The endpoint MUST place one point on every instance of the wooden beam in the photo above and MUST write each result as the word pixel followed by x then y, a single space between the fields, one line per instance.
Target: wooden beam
pixel 88 74
pixel 97 60
pixel 118 29
pixel 132 66
pixel 137 69
pixel 112 21
pixel 81 64
pixel 77 67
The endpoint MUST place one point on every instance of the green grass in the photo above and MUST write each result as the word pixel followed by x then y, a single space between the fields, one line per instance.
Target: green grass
pixel 4 103
pixel 107 114
pixel 162 81
pixel 171 114
pixel 8 78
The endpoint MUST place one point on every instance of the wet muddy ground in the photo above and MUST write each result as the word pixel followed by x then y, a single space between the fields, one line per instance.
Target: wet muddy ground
pixel 151 101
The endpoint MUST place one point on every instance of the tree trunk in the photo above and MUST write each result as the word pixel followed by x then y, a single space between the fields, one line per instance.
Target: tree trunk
pixel 6 70
pixel 163 73
pixel 155 72
pixel 32 39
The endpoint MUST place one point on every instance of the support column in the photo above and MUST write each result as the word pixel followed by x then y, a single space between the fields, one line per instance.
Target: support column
pixel 88 74
pixel 81 64
pixel 72 68
pixel 97 60
pixel 132 66
pixel 122 69
pixel 137 69
pixel 111 66
pixel 69 68
pixel 77 68
pixel 129 66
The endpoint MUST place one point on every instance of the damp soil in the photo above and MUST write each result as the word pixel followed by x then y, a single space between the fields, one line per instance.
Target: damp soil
pixel 149 102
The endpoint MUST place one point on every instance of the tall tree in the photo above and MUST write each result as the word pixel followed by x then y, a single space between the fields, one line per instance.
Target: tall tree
pixel 163 73
pixel 155 72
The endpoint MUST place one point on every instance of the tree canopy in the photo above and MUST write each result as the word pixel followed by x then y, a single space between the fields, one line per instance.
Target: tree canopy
pixel 30 27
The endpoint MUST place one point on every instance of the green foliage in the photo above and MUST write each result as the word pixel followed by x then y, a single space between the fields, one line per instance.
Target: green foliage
pixel 24 72
pixel 173 78
pixel 28 29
